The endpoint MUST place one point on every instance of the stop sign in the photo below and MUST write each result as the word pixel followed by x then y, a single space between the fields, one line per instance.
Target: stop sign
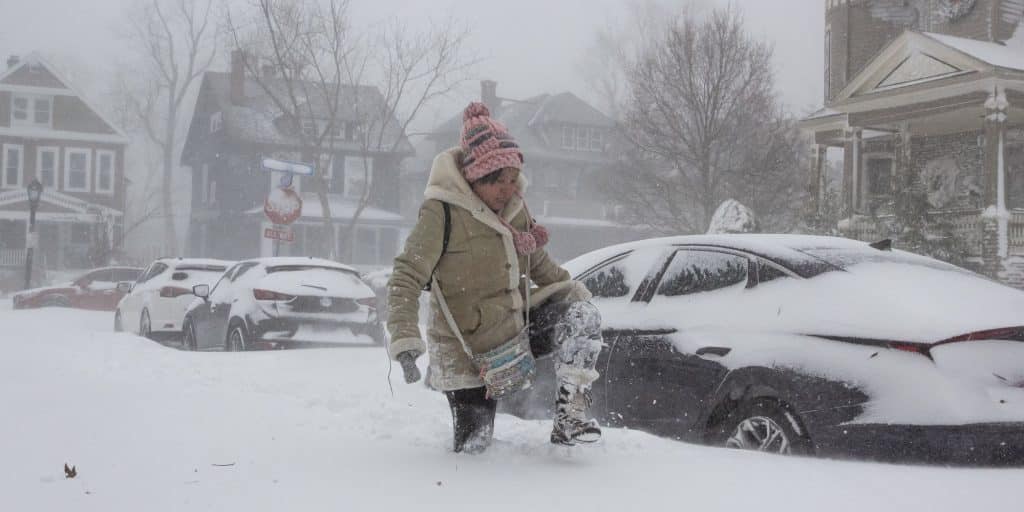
pixel 282 206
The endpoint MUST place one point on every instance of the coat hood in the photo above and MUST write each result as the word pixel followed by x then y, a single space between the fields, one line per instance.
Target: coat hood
pixel 447 184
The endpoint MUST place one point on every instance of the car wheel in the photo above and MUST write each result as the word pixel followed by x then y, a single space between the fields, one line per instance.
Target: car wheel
pixel 145 325
pixel 117 321
pixel 188 337
pixel 236 339
pixel 766 425
pixel 56 302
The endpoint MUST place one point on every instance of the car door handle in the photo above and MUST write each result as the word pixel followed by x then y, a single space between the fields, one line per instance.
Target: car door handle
pixel 715 351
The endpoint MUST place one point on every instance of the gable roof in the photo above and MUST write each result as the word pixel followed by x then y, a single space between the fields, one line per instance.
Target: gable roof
pixel 57 84
pixel 259 121
pixel 525 120
pixel 918 57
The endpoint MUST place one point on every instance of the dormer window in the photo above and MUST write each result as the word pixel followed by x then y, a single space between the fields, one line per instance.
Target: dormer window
pixel 29 110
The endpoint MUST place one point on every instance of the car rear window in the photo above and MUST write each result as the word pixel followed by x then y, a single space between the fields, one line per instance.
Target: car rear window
pixel 294 268
pixel 202 268
pixel 847 258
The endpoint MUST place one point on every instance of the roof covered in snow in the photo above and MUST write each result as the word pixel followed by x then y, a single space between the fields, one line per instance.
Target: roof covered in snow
pixel 996 54
pixel 527 119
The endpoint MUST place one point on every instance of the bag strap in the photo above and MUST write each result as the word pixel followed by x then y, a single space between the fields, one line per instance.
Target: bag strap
pixel 444 242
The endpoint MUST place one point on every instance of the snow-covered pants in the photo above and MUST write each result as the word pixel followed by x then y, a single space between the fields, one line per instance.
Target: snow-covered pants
pixel 568 330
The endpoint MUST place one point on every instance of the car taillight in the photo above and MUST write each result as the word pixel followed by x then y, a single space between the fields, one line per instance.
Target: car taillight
pixel 171 292
pixel 271 295
pixel 368 301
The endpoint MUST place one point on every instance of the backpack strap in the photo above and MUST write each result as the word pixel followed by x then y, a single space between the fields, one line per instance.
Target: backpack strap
pixel 444 241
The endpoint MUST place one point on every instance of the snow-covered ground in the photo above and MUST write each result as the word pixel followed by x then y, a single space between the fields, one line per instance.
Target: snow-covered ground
pixel 153 428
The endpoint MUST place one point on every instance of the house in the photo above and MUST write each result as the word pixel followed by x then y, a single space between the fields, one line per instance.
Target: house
pixel 928 93
pixel 50 132
pixel 568 147
pixel 235 126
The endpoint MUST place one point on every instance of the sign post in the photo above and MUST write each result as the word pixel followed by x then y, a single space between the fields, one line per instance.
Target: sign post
pixel 283 205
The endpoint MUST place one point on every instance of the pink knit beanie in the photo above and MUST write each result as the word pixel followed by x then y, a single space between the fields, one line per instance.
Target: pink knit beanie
pixel 486 144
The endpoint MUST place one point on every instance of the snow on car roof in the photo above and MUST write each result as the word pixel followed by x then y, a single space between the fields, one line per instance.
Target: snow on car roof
pixel 778 247
pixel 284 261
pixel 204 262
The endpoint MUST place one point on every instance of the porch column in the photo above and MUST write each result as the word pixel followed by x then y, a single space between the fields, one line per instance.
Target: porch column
pixel 995 221
pixel 851 171
pixel 815 177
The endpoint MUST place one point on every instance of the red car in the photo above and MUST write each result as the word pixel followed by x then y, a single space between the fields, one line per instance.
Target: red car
pixel 96 289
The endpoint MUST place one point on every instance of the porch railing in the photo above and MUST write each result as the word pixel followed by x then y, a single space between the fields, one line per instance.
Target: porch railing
pixel 12 257
pixel 966 225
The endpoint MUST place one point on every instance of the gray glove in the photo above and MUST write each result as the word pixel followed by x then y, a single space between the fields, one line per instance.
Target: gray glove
pixel 408 361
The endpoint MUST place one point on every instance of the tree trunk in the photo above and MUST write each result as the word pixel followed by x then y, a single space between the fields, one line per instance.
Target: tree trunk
pixel 166 194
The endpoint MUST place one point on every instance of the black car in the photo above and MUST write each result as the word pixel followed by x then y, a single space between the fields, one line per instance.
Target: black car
pixel 271 303
pixel 804 345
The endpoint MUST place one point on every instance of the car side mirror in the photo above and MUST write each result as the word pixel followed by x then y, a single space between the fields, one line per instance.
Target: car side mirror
pixel 201 290
pixel 124 286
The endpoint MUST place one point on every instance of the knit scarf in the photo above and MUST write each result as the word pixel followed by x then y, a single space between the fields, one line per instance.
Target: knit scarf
pixel 527 242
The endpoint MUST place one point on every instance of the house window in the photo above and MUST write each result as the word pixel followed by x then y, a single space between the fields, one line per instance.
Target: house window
pixel 354 131
pixel 366 247
pixel 46 166
pixel 358 176
pixel 568 137
pixel 309 128
pixel 216 122
pixel 76 170
pixel 105 171
pixel 879 176
pixel 13 163
pixel 28 110
pixel 596 140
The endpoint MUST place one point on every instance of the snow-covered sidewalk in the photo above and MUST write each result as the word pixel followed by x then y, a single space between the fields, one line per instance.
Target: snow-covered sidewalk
pixel 153 428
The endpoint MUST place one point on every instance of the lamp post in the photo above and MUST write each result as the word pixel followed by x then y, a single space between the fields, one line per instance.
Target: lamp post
pixel 35 189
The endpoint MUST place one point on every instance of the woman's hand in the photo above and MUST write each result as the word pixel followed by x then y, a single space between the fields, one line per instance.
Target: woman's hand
pixel 408 361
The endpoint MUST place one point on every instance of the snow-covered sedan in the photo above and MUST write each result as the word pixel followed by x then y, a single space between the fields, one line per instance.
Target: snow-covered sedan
pixel 156 303
pixel 96 289
pixel 282 302
pixel 807 345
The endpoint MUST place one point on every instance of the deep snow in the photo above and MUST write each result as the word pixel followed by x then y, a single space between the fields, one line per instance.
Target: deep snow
pixel 149 427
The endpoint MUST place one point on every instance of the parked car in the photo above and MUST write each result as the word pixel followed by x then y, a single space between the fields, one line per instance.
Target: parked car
pixel 271 303
pixel 157 301
pixel 804 345
pixel 95 289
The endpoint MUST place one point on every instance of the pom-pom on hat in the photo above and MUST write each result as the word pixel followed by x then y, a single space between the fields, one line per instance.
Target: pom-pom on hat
pixel 486 144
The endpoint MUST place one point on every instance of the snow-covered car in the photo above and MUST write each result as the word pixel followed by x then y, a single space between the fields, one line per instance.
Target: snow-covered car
pixel 96 289
pixel 283 302
pixel 804 345
pixel 156 303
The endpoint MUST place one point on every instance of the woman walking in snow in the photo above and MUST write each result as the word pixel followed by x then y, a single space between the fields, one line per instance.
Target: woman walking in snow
pixel 473 241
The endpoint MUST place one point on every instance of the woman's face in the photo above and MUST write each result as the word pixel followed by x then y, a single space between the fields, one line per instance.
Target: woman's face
pixel 496 194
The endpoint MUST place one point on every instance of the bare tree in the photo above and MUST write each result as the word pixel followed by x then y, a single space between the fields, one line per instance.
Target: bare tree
pixel 704 122
pixel 329 82
pixel 176 43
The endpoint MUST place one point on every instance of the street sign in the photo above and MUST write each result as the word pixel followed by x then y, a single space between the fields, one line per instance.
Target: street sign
pixel 273 164
pixel 282 206
pixel 279 233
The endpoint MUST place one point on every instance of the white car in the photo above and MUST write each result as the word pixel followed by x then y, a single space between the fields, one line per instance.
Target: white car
pixel 156 304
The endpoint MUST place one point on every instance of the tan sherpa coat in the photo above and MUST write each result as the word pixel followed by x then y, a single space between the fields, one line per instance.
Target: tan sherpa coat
pixel 479 276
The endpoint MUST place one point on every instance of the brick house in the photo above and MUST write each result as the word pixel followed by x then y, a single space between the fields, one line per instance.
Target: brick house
pixel 235 125
pixel 48 131
pixel 568 145
pixel 929 92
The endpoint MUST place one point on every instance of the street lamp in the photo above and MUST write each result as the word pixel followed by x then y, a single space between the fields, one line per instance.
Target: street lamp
pixel 35 190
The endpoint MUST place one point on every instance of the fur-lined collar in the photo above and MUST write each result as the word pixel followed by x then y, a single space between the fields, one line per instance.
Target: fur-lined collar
pixel 447 184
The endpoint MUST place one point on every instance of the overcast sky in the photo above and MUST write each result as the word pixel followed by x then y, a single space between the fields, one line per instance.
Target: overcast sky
pixel 528 46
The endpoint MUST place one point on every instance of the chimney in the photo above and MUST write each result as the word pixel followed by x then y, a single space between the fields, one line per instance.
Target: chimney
pixel 237 77
pixel 12 61
pixel 489 95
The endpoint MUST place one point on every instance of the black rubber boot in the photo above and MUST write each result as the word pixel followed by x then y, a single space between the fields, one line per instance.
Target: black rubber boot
pixel 472 419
